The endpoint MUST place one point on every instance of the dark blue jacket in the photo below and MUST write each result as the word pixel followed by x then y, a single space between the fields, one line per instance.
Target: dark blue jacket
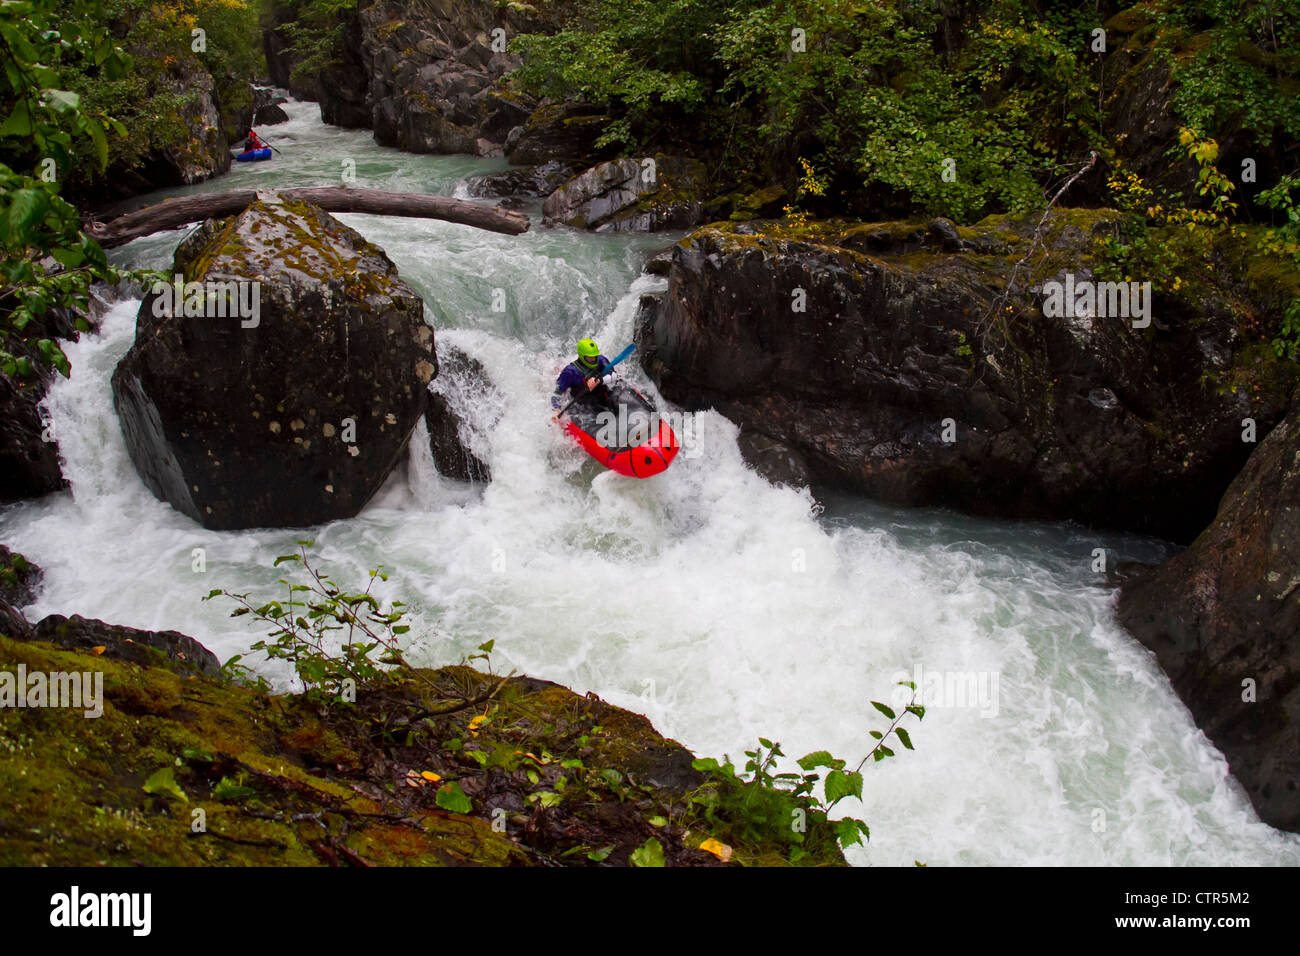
pixel 574 379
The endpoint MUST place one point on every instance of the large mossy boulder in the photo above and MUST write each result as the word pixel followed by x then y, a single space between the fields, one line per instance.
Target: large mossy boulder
pixel 1223 618
pixel 647 194
pixel 888 358
pixel 294 416
pixel 20 582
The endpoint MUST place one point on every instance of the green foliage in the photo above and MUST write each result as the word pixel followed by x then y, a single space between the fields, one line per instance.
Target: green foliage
pixel 316 35
pixel 1138 249
pixel 41 43
pixel 234 38
pixel 453 799
pixel 228 791
pixel 635 56
pixel 650 853
pixel 860 86
pixel 872 95
pixel 1233 62
pixel 316 616
pixel 156 99
pixel 1283 242
pixel 163 782
pixel 46 261
pixel 762 805
pixel 1287 341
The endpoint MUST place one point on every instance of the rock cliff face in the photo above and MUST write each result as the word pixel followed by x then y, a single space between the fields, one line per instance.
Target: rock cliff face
pixel 203 151
pixel 1223 617
pixel 428 76
pixel 531 182
pixel 29 454
pixel 434 75
pixel 288 402
pixel 645 194
pixel 885 356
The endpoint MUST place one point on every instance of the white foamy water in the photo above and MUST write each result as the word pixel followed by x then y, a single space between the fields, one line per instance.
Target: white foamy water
pixel 720 606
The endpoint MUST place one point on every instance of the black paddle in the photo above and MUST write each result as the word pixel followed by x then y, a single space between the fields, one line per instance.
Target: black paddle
pixel 621 355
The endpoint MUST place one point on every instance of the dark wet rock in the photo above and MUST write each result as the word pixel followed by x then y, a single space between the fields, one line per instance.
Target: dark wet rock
pixel 774 460
pixel 742 206
pixel 531 182
pixel 170 649
pixel 236 102
pixel 559 132
pixel 29 455
pixel 463 379
pixel 20 579
pixel 646 194
pixel 343 89
pixel 881 357
pixel 271 115
pixel 1223 618
pixel 277 43
pixel 945 232
pixel 660 263
pixel 267 96
pixel 435 78
pixel 29 451
pixel 340 86
pixel 291 417
pixel 12 622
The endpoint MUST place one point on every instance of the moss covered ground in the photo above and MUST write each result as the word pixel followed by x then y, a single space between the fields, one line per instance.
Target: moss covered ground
pixel 189 770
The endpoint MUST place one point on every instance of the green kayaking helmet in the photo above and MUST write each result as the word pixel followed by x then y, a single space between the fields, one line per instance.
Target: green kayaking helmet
pixel 588 351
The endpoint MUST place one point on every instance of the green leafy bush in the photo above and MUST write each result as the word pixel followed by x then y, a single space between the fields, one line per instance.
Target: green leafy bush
pixel 314 617
pixel 759 805
pixel 46 261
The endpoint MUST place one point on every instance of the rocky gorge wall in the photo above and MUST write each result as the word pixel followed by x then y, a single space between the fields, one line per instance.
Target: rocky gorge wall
pixel 888 358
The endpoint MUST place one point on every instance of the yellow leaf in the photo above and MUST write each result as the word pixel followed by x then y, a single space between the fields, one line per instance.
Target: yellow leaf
pixel 476 723
pixel 430 776
pixel 98 649
pixel 718 849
